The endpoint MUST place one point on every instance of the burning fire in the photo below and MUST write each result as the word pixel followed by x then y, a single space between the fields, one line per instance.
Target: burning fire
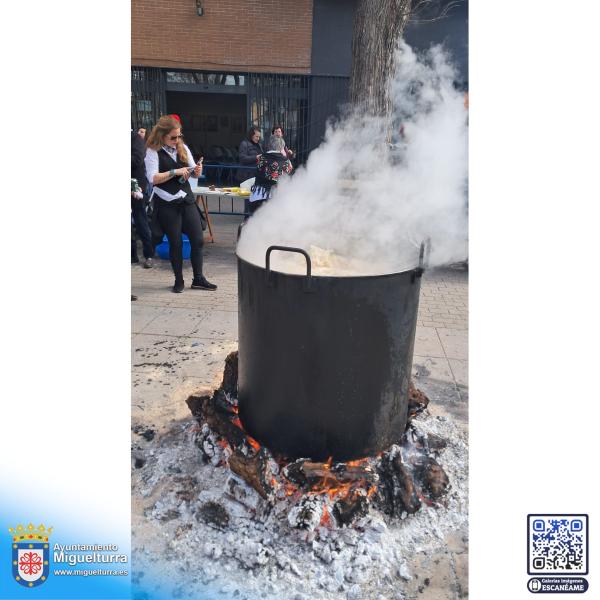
pixel 329 494
pixel 329 485
pixel 236 421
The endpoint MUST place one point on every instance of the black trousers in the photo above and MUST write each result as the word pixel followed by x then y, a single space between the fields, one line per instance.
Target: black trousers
pixel 175 219
pixel 140 220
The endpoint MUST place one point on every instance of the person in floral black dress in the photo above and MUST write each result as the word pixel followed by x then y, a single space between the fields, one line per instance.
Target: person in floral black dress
pixel 271 166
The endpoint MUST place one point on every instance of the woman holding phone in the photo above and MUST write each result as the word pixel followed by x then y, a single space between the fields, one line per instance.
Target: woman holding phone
pixel 169 165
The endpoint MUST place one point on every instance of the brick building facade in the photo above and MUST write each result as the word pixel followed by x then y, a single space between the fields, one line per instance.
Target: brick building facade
pixel 250 62
pixel 231 35
pixel 240 63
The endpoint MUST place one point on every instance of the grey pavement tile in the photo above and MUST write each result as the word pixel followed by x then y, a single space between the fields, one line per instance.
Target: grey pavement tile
pixel 133 348
pixel 175 321
pixel 435 369
pixel 207 368
pixel 434 579
pixel 142 315
pixel 427 342
pixel 158 402
pixel 460 371
pixel 219 324
pixel 163 355
pixel 443 311
pixel 167 357
pixel 435 378
pixel 461 568
pixel 458 541
pixel 152 289
pixel 447 397
pixel 455 342
pixel 205 305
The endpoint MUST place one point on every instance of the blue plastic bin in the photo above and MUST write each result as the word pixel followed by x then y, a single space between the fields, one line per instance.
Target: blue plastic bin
pixel 163 249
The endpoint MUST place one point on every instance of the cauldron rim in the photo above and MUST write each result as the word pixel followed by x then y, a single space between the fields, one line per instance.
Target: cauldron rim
pixel 330 277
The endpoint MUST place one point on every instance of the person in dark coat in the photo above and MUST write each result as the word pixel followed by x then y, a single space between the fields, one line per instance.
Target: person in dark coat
pixel 138 205
pixel 249 152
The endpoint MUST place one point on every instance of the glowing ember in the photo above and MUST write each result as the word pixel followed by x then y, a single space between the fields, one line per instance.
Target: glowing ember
pixel 326 519
pixel 253 443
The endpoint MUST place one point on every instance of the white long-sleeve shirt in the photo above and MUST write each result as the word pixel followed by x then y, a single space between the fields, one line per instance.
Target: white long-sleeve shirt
pixel 151 164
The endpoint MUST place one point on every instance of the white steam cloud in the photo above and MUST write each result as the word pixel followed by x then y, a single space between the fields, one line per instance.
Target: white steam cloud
pixel 362 206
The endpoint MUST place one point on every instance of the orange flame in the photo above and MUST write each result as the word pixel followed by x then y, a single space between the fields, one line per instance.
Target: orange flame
pixel 357 463
pixel 326 519
pixel 253 443
pixel 329 485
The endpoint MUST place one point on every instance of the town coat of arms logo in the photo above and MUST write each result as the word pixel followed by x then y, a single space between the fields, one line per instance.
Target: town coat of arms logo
pixel 30 554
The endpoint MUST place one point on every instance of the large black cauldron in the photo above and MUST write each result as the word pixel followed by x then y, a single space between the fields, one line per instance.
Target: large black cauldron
pixel 325 362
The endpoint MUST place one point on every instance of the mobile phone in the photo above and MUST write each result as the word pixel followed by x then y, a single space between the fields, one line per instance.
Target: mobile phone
pixel 182 179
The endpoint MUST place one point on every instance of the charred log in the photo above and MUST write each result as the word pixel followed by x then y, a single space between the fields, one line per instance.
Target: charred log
pixel 348 473
pixel 196 405
pixel 222 422
pixel 293 472
pixel 254 470
pixel 396 492
pixel 223 405
pixel 417 401
pixel 351 508
pixel 230 373
pixel 435 482
pixel 307 474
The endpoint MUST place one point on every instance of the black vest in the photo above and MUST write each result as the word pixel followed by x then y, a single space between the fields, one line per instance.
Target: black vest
pixel 166 163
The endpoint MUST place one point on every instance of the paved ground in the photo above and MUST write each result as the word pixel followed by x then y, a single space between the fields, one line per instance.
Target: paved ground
pixel 179 342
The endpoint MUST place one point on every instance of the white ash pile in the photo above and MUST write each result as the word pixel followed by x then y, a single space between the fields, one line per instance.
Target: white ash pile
pixel 222 534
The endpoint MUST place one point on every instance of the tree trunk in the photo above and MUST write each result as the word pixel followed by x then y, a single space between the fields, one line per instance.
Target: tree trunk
pixel 377 27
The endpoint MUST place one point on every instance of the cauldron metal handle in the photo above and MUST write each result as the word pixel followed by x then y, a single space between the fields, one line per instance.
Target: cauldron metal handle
pixel 423 260
pixel 307 281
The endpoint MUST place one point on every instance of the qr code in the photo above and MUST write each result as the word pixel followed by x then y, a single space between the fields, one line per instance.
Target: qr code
pixel 557 544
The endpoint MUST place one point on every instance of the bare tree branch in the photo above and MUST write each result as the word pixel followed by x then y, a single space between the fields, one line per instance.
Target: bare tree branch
pixel 423 5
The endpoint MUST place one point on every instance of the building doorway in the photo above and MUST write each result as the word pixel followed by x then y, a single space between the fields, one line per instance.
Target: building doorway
pixel 213 124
